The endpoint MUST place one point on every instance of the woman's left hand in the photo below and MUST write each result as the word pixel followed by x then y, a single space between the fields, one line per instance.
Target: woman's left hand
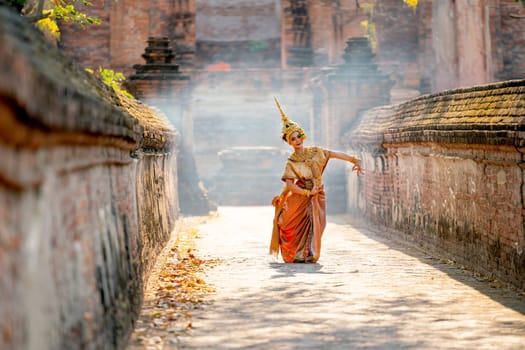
pixel 357 168
pixel 276 201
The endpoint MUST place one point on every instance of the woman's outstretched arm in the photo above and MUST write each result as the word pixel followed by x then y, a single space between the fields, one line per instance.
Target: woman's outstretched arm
pixel 346 157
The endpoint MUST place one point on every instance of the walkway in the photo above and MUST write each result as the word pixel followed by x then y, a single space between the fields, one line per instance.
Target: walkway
pixel 365 293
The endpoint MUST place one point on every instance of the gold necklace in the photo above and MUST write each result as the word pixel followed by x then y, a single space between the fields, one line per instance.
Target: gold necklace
pixel 308 153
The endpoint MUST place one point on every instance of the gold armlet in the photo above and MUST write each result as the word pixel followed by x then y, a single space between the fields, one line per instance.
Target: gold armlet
pixel 306 193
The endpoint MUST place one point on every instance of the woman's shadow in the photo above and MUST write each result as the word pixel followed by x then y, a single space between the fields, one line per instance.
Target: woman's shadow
pixel 291 269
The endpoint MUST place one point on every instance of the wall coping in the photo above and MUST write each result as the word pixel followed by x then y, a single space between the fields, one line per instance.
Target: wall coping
pixel 79 108
pixel 491 114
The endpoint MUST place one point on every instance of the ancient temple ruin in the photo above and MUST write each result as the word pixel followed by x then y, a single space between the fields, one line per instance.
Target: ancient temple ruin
pixel 328 61
pixel 160 82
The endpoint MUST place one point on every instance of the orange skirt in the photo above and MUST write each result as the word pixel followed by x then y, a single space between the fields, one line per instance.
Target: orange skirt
pixel 299 226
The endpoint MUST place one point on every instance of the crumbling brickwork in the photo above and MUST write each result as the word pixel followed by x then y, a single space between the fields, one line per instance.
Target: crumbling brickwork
pixel 447 171
pixel 242 33
pixel 447 44
pixel 438 45
pixel 119 41
pixel 87 198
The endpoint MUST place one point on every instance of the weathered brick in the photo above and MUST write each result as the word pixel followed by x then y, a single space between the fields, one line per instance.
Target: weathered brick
pixel 81 225
pixel 461 194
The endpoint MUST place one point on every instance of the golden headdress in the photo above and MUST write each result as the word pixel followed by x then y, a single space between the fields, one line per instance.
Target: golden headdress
pixel 289 126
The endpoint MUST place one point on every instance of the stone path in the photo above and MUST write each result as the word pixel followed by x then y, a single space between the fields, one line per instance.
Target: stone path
pixel 365 293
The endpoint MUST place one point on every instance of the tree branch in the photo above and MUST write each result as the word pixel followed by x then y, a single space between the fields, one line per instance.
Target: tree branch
pixel 39 13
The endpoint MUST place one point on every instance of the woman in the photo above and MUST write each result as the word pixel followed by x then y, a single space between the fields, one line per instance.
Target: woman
pixel 300 209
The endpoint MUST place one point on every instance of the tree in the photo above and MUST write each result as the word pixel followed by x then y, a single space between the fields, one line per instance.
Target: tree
pixel 46 13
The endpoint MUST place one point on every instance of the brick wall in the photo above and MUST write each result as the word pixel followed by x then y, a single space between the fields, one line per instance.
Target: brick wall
pixel 447 171
pixel 87 199
pixel 244 33
pixel 322 27
pixel 439 45
pixel 90 47
pixel 448 44
pixel 511 41
pixel 118 43
pixel 396 33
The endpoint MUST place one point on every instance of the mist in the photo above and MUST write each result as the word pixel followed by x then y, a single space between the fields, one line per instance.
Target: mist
pixel 327 62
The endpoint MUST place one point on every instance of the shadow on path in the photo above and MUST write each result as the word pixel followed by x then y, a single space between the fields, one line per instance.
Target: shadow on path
pixel 288 270
pixel 368 291
pixel 500 292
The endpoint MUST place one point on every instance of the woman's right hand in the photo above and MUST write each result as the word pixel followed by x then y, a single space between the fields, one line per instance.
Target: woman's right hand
pixel 316 189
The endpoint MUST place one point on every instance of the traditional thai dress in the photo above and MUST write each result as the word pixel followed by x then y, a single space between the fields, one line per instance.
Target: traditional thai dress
pixel 299 220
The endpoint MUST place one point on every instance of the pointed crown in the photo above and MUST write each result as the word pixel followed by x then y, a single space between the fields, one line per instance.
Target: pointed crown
pixel 289 126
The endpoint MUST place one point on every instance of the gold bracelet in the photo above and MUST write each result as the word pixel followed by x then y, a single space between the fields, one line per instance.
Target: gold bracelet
pixel 306 193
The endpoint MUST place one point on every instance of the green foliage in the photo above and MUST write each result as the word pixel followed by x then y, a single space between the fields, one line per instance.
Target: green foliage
pixel 66 11
pixel 46 14
pixel 112 79
pixel 49 25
